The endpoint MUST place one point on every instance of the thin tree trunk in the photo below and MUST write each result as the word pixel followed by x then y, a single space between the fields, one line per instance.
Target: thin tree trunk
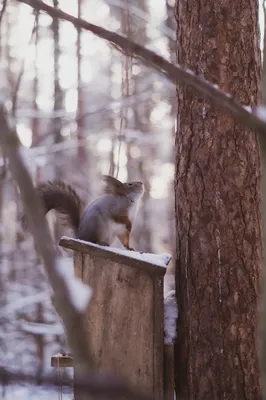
pixel 35 120
pixel 57 88
pixel 81 130
pixel 141 120
pixel 217 206
pixel 58 105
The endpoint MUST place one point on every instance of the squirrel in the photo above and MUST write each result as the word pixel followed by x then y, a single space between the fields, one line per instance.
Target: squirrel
pixel 107 217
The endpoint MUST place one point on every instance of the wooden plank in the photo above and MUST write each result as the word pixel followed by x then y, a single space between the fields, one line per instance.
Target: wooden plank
pixel 169 383
pixel 60 360
pixel 158 338
pixel 78 265
pixel 96 251
pixel 121 322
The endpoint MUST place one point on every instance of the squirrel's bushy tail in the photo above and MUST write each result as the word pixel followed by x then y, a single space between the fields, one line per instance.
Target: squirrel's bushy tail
pixel 59 196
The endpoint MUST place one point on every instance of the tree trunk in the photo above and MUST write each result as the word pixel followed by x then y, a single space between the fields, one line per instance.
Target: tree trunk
pixel 217 206
pixel 81 128
pixel 58 95
pixel 35 124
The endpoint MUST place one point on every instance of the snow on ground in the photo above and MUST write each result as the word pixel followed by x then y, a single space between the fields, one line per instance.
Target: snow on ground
pixel 28 392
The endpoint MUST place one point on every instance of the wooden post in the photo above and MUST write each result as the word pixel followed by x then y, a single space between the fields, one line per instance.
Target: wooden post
pixel 126 313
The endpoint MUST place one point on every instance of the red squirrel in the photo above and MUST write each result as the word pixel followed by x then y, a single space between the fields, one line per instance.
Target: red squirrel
pixel 107 217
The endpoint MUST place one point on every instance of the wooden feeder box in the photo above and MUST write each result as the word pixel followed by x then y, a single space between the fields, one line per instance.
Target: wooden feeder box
pixel 125 316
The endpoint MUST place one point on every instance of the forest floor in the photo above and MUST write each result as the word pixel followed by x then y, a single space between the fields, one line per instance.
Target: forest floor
pixel 29 392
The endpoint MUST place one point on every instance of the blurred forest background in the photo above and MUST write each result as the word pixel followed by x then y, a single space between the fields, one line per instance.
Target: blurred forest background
pixel 82 109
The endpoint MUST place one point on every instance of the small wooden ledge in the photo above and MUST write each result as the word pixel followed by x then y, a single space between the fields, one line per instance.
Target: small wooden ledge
pixel 61 360
pixel 151 263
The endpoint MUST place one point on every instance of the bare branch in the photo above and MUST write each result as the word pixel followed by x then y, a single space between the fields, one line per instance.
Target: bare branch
pixel 72 318
pixel 171 71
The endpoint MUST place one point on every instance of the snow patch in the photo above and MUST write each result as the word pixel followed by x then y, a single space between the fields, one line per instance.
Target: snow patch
pixel 189 71
pixel 170 317
pixel 228 95
pixel 168 283
pixel 31 392
pixel 161 260
pixel 204 112
pixel 247 108
pixel 79 293
pixel 260 111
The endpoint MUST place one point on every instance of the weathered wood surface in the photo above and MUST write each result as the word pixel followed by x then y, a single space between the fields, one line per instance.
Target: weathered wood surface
pixel 125 316
pixel 169 384
pixel 125 322
pixel 60 360
pixel 96 251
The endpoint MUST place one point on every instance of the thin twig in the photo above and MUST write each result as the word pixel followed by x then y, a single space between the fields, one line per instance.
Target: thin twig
pixel 171 71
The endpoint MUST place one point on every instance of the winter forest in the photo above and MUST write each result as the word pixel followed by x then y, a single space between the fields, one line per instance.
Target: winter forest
pixel 170 93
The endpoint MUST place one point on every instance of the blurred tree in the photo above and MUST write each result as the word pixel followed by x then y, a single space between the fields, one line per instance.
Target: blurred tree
pixel 81 132
pixel 141 123
pixel 171 99
pixel 35 126
pixel 217 205
pixel 171 24
pixel 58 107
pixel 58 94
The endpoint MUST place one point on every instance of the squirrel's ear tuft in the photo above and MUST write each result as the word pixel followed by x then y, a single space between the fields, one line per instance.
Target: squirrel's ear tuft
pixel 113 185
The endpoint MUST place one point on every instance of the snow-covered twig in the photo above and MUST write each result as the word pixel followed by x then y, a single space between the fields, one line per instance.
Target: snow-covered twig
pixel 62 284
pixel 21 303
pixel 36 328
pixel 171 71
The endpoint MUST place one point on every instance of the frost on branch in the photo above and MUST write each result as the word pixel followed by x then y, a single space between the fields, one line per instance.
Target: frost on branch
pixel 79 294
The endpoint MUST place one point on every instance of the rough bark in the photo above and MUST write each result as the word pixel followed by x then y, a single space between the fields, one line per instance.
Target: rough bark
pixel 217 206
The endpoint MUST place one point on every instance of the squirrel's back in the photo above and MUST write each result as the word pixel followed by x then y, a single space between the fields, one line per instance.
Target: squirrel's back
pixel 97 224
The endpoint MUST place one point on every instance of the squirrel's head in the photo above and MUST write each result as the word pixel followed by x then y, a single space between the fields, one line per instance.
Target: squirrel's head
pixel 132 190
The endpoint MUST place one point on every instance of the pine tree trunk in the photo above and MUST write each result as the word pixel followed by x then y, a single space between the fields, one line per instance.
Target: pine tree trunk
pixel 217 206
